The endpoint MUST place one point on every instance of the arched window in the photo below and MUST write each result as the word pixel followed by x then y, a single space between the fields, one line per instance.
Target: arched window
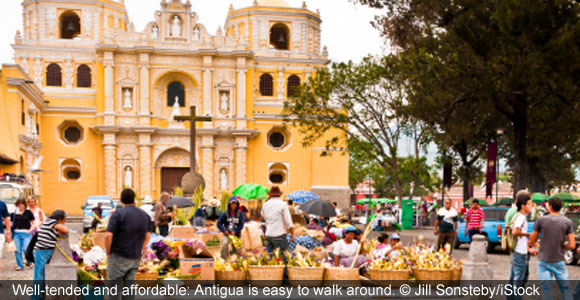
pixel 70 25
pixel 266 85
pixel 293 86
pixel 83 76
pixel 53 75
pixel 175 89
pixel 279 35
pixel 70 170
pixel 278 173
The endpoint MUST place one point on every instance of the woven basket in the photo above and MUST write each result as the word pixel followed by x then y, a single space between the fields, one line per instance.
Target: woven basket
pixel 266 275
pixel 432 275
pixel 456 274
pixel 147 278
pixel 384 277
pixel 308 277
pixel 342 274
pixel 231 278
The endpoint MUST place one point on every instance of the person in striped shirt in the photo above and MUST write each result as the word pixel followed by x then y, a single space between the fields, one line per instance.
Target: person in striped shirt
pixel 46 241
pixel 475 218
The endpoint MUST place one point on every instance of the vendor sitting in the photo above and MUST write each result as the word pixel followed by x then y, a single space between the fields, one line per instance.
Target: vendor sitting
pixel 231 222
pixel 389 251
pixel 345 250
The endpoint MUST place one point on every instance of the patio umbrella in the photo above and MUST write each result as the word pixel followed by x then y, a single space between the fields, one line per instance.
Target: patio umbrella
pixel 566 197
pixel 539 197
pixel 385 200
pixel 363 201
pixel 318 207
pixel 180 202
pixel 504 201
pixel 301 197
pixel 251 191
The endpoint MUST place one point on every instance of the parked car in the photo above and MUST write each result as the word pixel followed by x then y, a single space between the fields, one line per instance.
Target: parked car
pixel 11 191
pixel 492 227
pixel 91 202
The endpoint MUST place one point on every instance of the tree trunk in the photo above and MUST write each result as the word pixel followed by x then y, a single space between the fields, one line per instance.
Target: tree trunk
pixel 520 156
pixel 462 150
pixel 538 183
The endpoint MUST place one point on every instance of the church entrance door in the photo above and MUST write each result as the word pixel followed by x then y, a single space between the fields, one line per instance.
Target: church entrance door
pixel 171 177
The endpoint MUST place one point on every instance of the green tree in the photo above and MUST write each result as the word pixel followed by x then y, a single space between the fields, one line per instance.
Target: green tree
pixel 523 58
pixel 360 101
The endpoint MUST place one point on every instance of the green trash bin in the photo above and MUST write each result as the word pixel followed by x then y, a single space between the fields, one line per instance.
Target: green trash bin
pixel 407 214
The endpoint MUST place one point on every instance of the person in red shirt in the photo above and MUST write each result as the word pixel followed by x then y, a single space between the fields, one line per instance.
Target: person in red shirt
pixel 474 219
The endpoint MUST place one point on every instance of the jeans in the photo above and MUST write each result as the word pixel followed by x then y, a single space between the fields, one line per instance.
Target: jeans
pixel 41 259
pixel 557 269
pixel 473 231
pixel 282 243
pixel 519 271
pixel 21 239
pixel 163 230
pixel 121 270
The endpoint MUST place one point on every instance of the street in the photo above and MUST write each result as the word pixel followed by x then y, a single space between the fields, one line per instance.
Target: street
pixel 498 260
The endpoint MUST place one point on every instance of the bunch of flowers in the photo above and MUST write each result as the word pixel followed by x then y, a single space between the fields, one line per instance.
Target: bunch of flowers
pixel 309 261
pixel 234 263
pixel 236 242
pixel 161 249
pixel 266 259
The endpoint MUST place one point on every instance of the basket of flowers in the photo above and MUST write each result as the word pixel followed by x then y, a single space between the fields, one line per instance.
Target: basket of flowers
pixel 385 271
pixel 232 272
pixel 305 271
pixel 266 269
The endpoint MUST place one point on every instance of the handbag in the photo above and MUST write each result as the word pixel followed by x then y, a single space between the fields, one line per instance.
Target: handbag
pixel 11 247
pixel 508 240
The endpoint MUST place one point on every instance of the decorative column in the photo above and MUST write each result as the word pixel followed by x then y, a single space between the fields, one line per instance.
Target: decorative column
pixel 241 152
pixel 109 89
pixel 241 93
pixel 145 170
pixel 144 114
pixel 110 164
pixel 207 88
pixel 207 149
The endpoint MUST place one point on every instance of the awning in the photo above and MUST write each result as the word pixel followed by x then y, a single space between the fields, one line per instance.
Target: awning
pixel 5 160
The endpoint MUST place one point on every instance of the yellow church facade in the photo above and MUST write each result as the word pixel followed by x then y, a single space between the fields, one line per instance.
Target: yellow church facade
pixel 98 100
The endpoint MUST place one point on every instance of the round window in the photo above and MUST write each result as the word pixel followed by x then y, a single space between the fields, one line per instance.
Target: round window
pixel 72 134
pixel 277 139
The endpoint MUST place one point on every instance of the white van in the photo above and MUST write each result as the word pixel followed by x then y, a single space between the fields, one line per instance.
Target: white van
pixel 10 192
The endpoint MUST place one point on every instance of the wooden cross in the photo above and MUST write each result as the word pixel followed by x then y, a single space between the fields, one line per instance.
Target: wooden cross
pixel 192 118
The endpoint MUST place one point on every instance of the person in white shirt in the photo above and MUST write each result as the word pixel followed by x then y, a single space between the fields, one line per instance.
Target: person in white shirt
pixel 520 257
pixel 345 250
pixel 278 221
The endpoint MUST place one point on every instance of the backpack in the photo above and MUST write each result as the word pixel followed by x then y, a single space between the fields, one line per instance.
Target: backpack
pixel 508 240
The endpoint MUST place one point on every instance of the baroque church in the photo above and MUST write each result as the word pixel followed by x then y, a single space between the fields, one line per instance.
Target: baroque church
pixel 87 107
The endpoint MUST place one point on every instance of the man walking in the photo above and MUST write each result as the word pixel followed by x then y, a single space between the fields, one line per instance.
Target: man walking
pixel 162 216
pixel 557 235
pixel 520 257
pixel 5 235
pixel 126 237
pixel 446 225
pixel 278 221
pixel 475 218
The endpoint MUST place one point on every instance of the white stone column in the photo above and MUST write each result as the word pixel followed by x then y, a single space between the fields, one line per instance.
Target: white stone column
pixel 241 153
pixel 207 88
pixel 144 114
pixel 241 87
pixel 207 169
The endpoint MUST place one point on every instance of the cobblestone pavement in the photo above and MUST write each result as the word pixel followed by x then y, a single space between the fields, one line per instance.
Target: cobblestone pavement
pixel 499 261
pixel 8 262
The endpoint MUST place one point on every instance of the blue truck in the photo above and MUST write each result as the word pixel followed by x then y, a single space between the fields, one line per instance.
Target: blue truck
pixel 492 227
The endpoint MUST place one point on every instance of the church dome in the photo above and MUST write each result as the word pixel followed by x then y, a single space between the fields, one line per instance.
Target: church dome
pixel 278 3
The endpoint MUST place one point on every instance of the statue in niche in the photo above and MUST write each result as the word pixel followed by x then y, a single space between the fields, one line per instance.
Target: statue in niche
pixel 176 27
pixel 176 111
pixel 223 180
pixel 224 101
pixel 127 100
pixel 128 177
pixel 196 36
pixel 155 32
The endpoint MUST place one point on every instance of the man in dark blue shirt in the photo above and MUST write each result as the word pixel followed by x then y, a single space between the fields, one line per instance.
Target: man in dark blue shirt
pixel 127 236
pixel 5 236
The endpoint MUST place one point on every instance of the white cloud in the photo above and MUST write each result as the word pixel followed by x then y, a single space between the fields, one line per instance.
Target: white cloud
pixel 346 28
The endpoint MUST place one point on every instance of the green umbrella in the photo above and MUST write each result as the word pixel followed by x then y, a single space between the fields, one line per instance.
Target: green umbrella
pixel 251 191
pixel 481 202
pixel 504 201
pixel 363 201
pixel 539 197
pixel 385 200
pixel 566 197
